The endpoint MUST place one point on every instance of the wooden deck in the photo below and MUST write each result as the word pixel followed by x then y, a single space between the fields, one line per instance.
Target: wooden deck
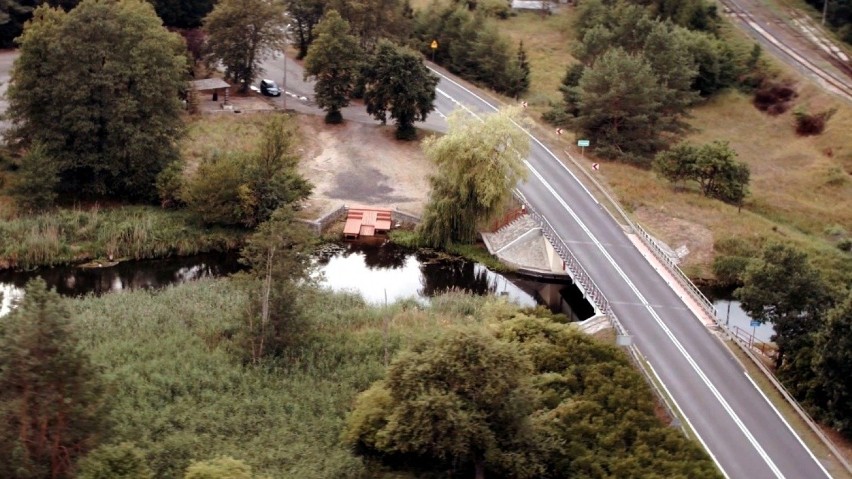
pixel 366 222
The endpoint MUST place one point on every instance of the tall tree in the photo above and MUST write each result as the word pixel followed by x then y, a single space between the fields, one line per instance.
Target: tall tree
pixel 278 255
pixel 115 131
pixel 183 13
pixel 51 402
pixel 372 20
pixel 397 83
pixel 478 164
pixel 520 82
pixel 621 107
pixel 305 15
pixel 243 33
pixel 455 404
pixel 782 288
pixel 333 60
pixel 833 366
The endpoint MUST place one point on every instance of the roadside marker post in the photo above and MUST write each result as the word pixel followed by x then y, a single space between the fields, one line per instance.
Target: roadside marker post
pixel 583 144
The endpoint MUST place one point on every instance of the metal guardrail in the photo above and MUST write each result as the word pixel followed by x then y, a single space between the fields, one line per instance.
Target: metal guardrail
pixel 684 280
pixel 651 243
pixel 592 292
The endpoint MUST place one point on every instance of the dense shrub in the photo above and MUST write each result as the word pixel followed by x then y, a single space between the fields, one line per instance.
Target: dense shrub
pixel 774 97
pixel 809 124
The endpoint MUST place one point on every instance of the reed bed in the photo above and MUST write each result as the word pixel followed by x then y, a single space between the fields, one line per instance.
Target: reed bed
pixel 132 232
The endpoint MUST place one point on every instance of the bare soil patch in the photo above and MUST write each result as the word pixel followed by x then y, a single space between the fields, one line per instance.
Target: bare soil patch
pixel 679 232
pixel 362 164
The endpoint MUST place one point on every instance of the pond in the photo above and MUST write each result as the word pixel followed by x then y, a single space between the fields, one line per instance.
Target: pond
pixel 379 271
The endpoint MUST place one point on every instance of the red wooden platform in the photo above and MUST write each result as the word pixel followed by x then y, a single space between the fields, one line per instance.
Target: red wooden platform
pixel 366 222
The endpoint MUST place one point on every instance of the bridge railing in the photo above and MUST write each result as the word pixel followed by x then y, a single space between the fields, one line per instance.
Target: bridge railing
pixel 592 292
pixel 652 244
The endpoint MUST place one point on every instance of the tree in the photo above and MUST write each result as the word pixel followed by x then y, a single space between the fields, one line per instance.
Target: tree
pixel 397 83
pixel 114 132
pixel 51 401
pixel 677 164
pixel 245 188
pixel 712 165
pixel 621 107
pixel 333 59
pixel 478 164
pixel 719 174
pixel 219 468
pixel 271 178
pixel 455 404
pixel 242 33
pixel 278 255
pixel 833 366
pixel 782 288
pixel 118 461
pixel 521 81
pixel 305 15
pixel 35 181
pixel 372 20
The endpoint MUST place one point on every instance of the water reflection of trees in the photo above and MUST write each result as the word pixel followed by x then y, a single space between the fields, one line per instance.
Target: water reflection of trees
pixel 441 275
pixel 70 281
pixel 379 255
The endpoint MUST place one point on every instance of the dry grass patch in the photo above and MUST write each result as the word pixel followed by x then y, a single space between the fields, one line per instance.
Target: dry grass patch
pixel 211 134
pixel 547 43
pixel 796 181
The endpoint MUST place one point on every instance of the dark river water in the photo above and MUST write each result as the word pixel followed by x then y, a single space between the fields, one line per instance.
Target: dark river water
pixel 378 271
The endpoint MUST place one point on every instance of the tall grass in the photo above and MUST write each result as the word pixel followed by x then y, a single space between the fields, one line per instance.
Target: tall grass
pixel 132 232
pixel 181 394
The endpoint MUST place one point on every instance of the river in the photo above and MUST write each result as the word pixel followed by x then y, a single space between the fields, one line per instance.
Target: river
pixel 379 272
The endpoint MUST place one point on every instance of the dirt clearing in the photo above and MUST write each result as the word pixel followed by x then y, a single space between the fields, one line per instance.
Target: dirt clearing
pixel 356 163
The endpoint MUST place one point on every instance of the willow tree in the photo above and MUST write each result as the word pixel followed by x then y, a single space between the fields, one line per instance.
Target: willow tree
pixel 479 161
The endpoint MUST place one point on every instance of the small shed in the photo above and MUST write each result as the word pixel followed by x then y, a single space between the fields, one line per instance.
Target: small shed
pixel 212 84
pixel 367 222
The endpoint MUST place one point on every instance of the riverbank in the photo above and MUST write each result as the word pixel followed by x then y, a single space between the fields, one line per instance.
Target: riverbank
pixel 75 236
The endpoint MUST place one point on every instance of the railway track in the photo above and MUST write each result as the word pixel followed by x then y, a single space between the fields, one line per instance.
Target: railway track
pixel 837 84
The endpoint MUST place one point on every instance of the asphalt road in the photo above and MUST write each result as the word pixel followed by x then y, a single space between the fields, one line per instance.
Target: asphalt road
pixel 737 424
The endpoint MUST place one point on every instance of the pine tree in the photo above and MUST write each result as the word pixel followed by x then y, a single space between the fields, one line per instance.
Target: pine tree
pixel 51 403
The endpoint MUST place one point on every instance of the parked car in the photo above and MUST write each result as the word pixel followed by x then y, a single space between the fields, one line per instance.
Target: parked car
pixel 269 88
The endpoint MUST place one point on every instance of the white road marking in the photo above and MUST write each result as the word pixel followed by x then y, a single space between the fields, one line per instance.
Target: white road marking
pixel 695 431
pixel 777 412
